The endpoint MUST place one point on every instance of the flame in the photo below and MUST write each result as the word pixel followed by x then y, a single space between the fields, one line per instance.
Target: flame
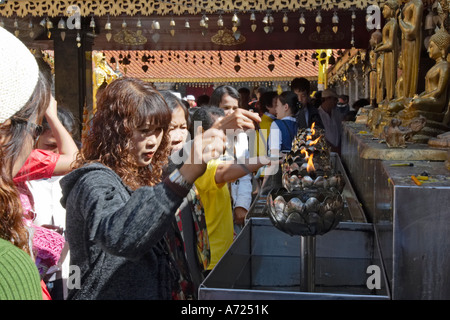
pixel 310 167
pixel 303 151
pixel 315 141
pixel 313 132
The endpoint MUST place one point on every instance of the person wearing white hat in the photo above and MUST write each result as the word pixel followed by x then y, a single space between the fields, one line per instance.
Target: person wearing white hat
pixel 191 100
pixel 24 96
pixel 331 119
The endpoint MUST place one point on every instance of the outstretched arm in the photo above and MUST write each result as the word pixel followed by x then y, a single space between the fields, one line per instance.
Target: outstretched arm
pixel 67 148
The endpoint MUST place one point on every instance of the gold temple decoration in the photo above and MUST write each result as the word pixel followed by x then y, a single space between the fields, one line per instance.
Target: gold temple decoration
pixel 52 8
pixel 409 106
pixel 129 38
pixel 225 37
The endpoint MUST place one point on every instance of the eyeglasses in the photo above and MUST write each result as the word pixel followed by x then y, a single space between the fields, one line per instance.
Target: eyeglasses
pixel 36 129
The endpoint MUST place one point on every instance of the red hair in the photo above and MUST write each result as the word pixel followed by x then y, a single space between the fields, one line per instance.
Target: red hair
pixel 124 105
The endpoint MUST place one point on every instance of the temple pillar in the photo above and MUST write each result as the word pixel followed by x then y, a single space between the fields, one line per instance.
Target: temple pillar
pixel 73 73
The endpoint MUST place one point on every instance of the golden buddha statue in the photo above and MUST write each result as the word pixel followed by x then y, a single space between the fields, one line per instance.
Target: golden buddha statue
pixel 410 23
pixel 434 98
pixel 103 73
pixel 398 103
pixel 433 102
pixel 389 47
pixel 380 75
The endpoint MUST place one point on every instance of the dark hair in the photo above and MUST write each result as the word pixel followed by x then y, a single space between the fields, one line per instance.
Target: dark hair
pixel 244 99
pixel 67 119
pixel 291 99
pixel 202 100
pixel 267 99
pixel 360 103
pixel 206 117
pixel 174 102
pixel 124 105
pixel 301 84
pixel 344 97
pixel 219 92
pixel 12 228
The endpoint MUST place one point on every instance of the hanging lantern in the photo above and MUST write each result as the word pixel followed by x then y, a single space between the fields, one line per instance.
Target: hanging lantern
pixel 30 27
pixel 220 22
pixel 124 24
pixel 302 22
pixel 108 25
pixel 172 25
pixel 16 27
pixel 285 22
pixel 49 26
pixel 202 22
pixel 302 19
pixel 92 24
pixel 252 17
pixel 335 21
pixel 61 24
pixel 78 39
pixel 235 18
pixel 318 18
pixel 62 28
pixel 186 24
pixel 139 24
pixel 155 25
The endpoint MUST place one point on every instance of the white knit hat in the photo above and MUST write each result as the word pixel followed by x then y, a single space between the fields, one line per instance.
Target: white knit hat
pixel 19 73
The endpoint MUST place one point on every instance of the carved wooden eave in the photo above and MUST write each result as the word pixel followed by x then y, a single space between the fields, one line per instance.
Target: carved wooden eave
pixel 51 8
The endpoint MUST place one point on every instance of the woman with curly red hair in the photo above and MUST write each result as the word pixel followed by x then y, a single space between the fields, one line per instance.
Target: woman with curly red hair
pixel 118 207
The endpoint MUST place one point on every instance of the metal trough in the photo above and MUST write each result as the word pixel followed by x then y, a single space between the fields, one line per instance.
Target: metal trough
pixel 266 263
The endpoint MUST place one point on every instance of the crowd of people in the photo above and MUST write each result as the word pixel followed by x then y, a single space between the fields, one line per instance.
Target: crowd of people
pixel 155 194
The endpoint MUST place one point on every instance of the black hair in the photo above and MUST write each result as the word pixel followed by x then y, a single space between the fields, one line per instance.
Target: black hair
pixel 219 92
pixel 202 100
pixel 174 102
pixel 301 84
pixel 67 119
pixel 206 116
pixel 266 100
pixel 291 99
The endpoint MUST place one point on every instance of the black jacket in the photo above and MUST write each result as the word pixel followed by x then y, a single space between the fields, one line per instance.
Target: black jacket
pixel 313 117
pixel 116 235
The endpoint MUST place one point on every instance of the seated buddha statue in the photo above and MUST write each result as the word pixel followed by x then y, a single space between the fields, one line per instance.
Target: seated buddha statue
pixel 434 98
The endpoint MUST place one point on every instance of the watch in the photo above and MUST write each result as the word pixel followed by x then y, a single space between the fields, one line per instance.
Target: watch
pixel 177 178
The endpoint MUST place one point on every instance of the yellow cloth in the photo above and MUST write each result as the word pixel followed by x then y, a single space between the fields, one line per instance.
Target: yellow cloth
pixel 260 148
pixel 216 202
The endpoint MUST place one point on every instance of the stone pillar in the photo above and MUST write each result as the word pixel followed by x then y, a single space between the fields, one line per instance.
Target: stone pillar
pixel 73 73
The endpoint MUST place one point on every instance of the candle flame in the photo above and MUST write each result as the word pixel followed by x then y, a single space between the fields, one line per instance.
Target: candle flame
pixel 310 167
pixel 315 141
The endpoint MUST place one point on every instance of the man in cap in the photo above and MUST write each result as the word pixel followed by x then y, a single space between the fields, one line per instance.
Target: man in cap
pixel 331 119
pixel 191 100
